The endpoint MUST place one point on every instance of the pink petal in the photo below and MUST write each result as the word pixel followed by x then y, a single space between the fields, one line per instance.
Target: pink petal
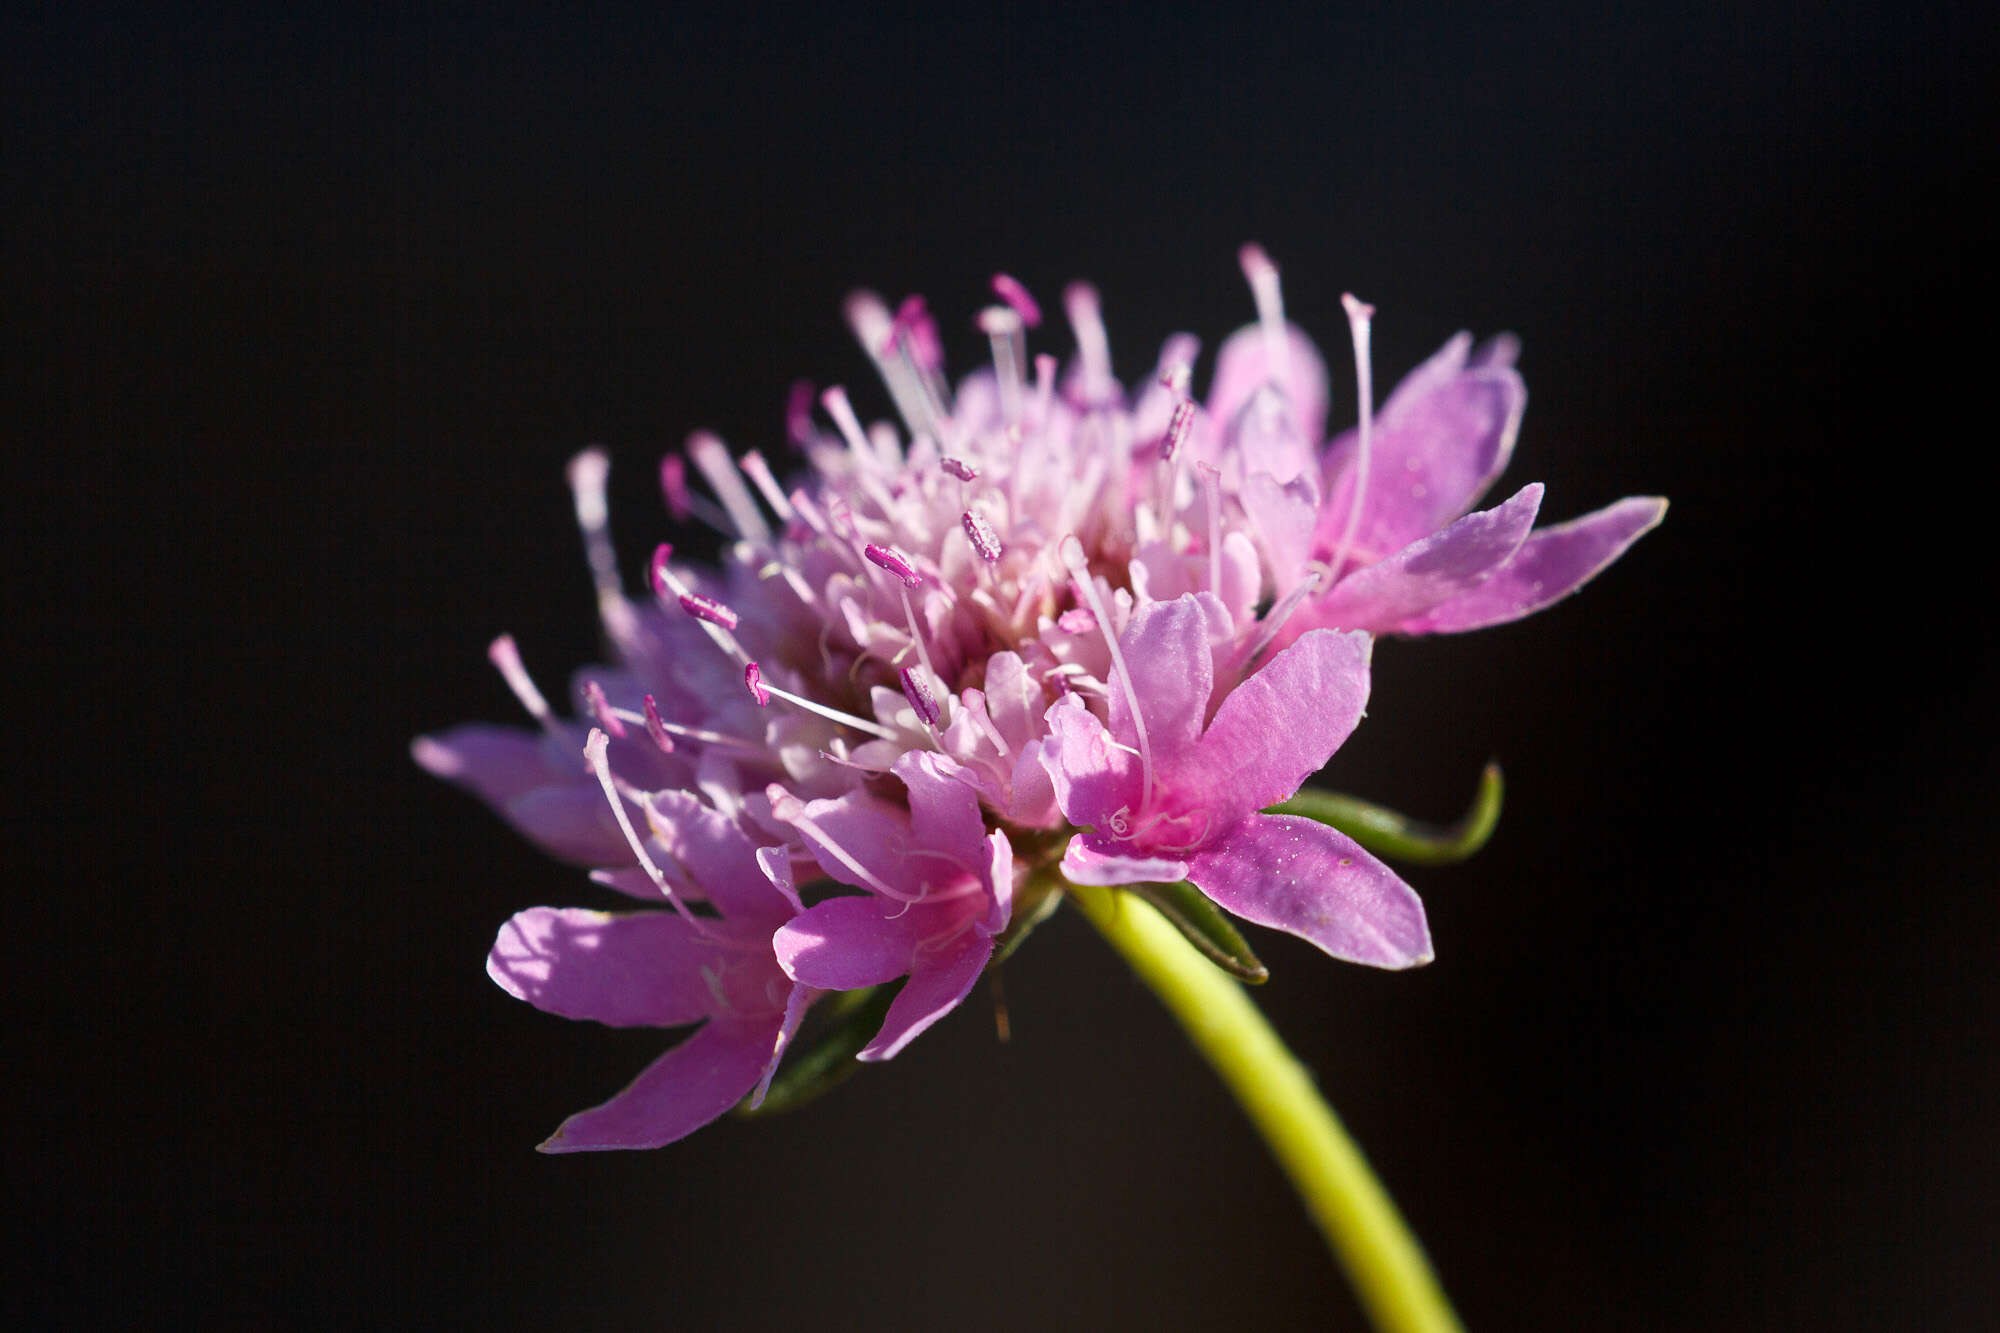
pixel 1502 349
pixel 1241 369
pixel 999 875
pixel 1283 519
pixel 1274 730
pixel 1033 801
pixel 573 823
pixel 1166 651
pixel 796 1004
pixel 848 943
pixel 944 809
pixel 637 969
pixel 1264 438
pixel 1013 700
pixel 1439 442
pixel 495 763
pixel 1096 859
pixel 1240 579
pixel 636 883
pixel 718 856
pixel 1551 564
pixel 680 1092
pixel 1092 778
pixel 1428 376
pixel 539 786
pixel 937 984
pixel 1299 876
pixel 867 828
pixel 1432 570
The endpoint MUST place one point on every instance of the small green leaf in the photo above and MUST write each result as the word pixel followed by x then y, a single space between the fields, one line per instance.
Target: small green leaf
pixel 854 1017
pixel 1397 836
pixel 1206 928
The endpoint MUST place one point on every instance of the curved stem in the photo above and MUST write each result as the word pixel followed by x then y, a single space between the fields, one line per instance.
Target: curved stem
pixel 1368 1236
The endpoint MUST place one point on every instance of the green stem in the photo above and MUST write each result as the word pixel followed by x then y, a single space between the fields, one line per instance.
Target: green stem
pixel 1368 1236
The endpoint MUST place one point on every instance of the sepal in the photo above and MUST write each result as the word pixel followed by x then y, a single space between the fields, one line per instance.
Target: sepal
pixel 1206 928
pixel 1387 833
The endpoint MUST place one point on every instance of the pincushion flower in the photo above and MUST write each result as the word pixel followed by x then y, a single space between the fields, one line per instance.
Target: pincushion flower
pixel 1378 525
pixel 941 888
pixel 1048 632
pixel 1183 801
pixel 666 969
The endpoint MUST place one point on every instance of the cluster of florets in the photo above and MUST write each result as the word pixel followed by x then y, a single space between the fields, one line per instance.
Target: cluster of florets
pixel 1051 631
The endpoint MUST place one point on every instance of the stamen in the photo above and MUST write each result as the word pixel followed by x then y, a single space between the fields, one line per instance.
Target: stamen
pixel 798 413
pixel 1002 328
pixel 711 455
pixel 594 750
pixel 1263 278
pixel 893 560
pixel 821 710
pixel 835 402
pixel 716 619
pixel 1167 480
pixel 797 583
pixel 1045 387
pixel 920 697
pixel 980 533
pixel 1015 295
pixel 958 469
pixel 1071 551
pixel 1178 426
pixel 703 607
pixel 759 472
pixel 504 655
pixel 672 729
pixel 674 485
pixel 983 719
pixel 1274 619
pixel 871 322
pixel 753 677
pixel 1210 481
pixel 684 504
pixel 809 514
pixel 600 707
pixel 914 329
pixel 792 810
pixel 587 473
pixel 1359 317
pixel 1093 347
pixel 917 635
pixel 656 727
pixel 888 451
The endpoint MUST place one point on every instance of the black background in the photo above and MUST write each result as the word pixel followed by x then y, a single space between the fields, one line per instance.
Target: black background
pixel 303 316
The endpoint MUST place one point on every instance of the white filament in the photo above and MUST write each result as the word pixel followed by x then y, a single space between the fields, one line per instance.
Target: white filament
pixel 1071 551
pixel 1359 316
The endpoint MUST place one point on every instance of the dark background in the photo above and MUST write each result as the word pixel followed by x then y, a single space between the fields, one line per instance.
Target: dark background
pixel 303 316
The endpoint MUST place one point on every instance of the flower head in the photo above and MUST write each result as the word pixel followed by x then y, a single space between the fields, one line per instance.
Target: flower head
pixel 1047 616
pixel 668 968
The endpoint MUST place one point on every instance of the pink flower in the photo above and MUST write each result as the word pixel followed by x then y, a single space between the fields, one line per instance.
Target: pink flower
pixel 1047 618
pixel 940 887
pixel 1171 789
pixel 1379 523
pixel 666 969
